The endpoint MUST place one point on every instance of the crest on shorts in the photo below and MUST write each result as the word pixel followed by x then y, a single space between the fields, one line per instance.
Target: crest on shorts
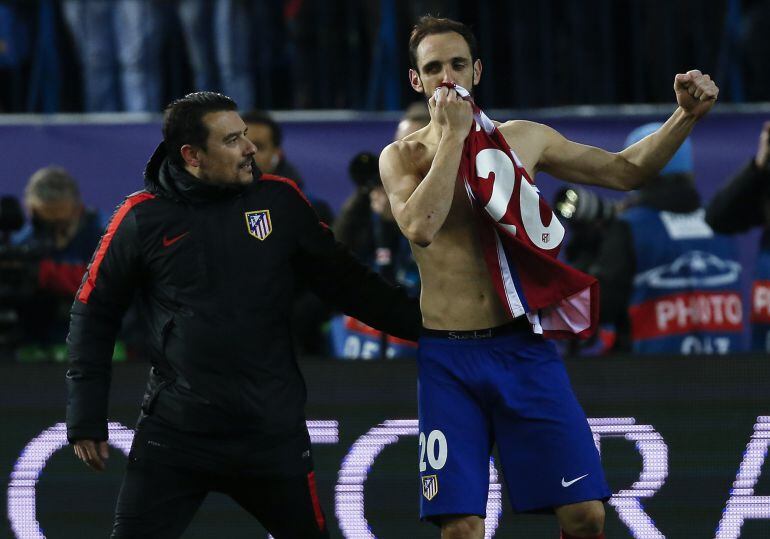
pixel 429 486
pixel 258 223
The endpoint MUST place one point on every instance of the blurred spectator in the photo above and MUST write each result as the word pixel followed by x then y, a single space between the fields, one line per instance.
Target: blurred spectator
pixel 196 23
pixel 744 203
pixel 310 314
pixel 367 226
pixel 61 236
pixel 415 118
pixel 266 134
pixel 354 222
pixel 118 43
pixel 354 226
pixel 756 50
pixel 393 255
pixel 664 274
pixel 276 54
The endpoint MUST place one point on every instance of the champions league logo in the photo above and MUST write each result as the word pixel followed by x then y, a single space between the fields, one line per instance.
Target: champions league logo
pixel 259 224
pixel 696 268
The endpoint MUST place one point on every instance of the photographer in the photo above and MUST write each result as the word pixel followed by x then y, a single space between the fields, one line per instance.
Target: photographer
pixel 63 234
pixel 744 203
pixel 367 227
pixel 669 284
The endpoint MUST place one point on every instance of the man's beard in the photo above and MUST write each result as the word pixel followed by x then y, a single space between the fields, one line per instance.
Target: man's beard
pixel 232 181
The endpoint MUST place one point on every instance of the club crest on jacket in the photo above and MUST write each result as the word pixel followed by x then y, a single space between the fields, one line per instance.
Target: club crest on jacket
pixel 258 223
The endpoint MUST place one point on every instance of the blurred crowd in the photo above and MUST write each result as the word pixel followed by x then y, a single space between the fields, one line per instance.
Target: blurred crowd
pixel 137 55
pixel 669 273
pixel 48 238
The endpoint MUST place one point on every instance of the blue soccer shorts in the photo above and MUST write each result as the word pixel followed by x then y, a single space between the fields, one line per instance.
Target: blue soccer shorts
pixel 510 388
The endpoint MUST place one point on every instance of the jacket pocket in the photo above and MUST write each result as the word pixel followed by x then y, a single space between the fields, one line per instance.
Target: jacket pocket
pixel 155 384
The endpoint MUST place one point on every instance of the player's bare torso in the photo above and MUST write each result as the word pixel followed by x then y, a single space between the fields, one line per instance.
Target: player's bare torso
pixel 457 291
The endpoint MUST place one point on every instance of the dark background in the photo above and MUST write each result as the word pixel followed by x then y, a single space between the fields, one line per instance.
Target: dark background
pixel 704 408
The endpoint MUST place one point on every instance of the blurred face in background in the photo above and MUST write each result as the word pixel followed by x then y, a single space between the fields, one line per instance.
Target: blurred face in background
pixel 406 127
pixel 57 220
pixel 268 154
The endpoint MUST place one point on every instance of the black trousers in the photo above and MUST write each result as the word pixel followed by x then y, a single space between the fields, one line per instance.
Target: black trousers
pixel 158 500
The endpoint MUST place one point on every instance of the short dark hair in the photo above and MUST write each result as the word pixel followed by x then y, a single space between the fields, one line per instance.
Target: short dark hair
pixel 183 121
pixel 260 117
pixel 429 25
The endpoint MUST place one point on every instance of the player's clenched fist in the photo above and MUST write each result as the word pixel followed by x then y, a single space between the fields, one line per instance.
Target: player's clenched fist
pixel 696 93
pixel 452 112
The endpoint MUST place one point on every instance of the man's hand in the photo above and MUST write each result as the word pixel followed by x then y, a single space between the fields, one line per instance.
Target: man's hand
pixel 763 150
pixel 695 92
pixel 92 453
pixel 452 113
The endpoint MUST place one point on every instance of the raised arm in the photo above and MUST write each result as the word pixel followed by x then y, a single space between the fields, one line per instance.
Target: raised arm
pixel 420 207
pixel 630 168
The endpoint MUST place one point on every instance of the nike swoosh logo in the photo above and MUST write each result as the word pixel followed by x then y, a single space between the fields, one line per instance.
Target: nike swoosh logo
pixel 565 484
pixel 167 242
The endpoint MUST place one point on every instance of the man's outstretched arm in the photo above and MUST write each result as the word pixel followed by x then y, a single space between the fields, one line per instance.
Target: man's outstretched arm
pixel 695 93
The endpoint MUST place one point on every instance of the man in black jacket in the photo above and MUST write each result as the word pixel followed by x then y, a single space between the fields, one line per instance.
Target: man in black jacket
pixel 213 248
pixel 741 204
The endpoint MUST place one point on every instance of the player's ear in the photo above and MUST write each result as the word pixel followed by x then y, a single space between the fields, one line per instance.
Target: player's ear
pixel 415 81
pixel 190 154
pixel 476 72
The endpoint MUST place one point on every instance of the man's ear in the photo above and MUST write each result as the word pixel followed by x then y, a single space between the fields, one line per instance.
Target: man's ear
pixel 191 155
pixel 476 72
pixel 415 81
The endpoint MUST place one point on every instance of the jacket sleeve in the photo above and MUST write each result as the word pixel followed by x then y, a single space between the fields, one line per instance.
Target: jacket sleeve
pixel 104 295
pixel 739 204
pixel 339 278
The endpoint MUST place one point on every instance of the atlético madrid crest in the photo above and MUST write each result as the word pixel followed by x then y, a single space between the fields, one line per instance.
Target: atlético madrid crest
pixel 259 224
pixel 429 486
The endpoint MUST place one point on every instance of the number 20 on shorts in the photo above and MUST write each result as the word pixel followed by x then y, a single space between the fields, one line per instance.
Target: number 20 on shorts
pixel 435 447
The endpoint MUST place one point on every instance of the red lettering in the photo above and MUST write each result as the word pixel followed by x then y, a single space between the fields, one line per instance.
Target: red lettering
pixel 680 314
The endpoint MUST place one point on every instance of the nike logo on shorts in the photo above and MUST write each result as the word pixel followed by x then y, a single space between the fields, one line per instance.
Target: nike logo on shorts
pixel 566 484
pixel 171 241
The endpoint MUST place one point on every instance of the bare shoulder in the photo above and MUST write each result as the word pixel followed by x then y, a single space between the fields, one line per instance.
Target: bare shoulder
pixel 528 140
pixel 404 154
pixel 522 128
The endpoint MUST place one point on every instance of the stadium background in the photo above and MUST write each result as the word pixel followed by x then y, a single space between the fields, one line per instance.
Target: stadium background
pixel 589 55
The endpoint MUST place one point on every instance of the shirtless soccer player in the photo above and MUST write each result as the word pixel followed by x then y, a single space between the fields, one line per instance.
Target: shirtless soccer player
pixel 485 376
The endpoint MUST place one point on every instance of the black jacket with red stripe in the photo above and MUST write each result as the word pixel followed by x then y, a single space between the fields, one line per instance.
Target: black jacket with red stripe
pixel 215 271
